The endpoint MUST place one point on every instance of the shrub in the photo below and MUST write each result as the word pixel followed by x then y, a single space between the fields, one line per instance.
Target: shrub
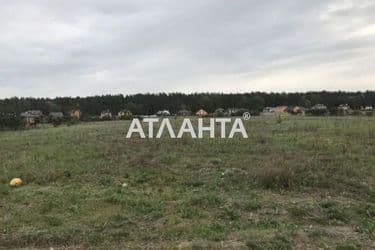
pixel 11 121
pixel 72 121
pixel 56 121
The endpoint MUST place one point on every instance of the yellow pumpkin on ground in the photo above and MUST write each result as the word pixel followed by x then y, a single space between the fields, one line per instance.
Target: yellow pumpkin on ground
pixel 15 182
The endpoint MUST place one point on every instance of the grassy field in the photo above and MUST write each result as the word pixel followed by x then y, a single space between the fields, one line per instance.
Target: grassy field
pixel 302 183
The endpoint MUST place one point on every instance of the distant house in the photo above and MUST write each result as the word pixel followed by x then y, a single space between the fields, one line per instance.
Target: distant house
pixel 220 112
pixel 106 115
pixel 281 110
pixel 318 109
pixel 268 111
pixel 344 109
pixel 232 111
pixel 163 113
pixel 75 113
pixel 368 108
pixel 236 111
pixel 297 110
pixel 125 114
pixel 56 115
pixel 184 113
pixel 201 113
pixel 32 116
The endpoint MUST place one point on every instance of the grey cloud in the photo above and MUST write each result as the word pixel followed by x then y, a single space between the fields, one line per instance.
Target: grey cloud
pixel 52 48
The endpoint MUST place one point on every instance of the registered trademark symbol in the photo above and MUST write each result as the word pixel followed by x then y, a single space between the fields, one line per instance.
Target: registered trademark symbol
pixel 246 116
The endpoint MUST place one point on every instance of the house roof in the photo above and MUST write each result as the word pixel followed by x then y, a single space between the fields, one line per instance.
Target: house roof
pixel 281 109
pixel 56 114
pixel 319 106
pixel 220 110
pixel 269 109
pixel 75 110
pixel 32 113
pixel 107 111
pixel 201 112
pixel 298 108
pixel 163 112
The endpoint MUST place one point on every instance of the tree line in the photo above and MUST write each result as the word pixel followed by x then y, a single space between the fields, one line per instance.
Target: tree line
pixel 146 104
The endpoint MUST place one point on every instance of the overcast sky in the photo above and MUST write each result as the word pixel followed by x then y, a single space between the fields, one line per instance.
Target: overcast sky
pixel 88 47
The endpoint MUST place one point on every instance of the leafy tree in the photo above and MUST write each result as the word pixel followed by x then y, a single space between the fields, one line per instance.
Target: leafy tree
pixel 147 104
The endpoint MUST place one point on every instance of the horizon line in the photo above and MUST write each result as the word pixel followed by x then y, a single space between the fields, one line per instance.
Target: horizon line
pixel 195 93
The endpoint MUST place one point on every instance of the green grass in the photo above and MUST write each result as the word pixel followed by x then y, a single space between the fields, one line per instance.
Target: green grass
pixel 300 182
